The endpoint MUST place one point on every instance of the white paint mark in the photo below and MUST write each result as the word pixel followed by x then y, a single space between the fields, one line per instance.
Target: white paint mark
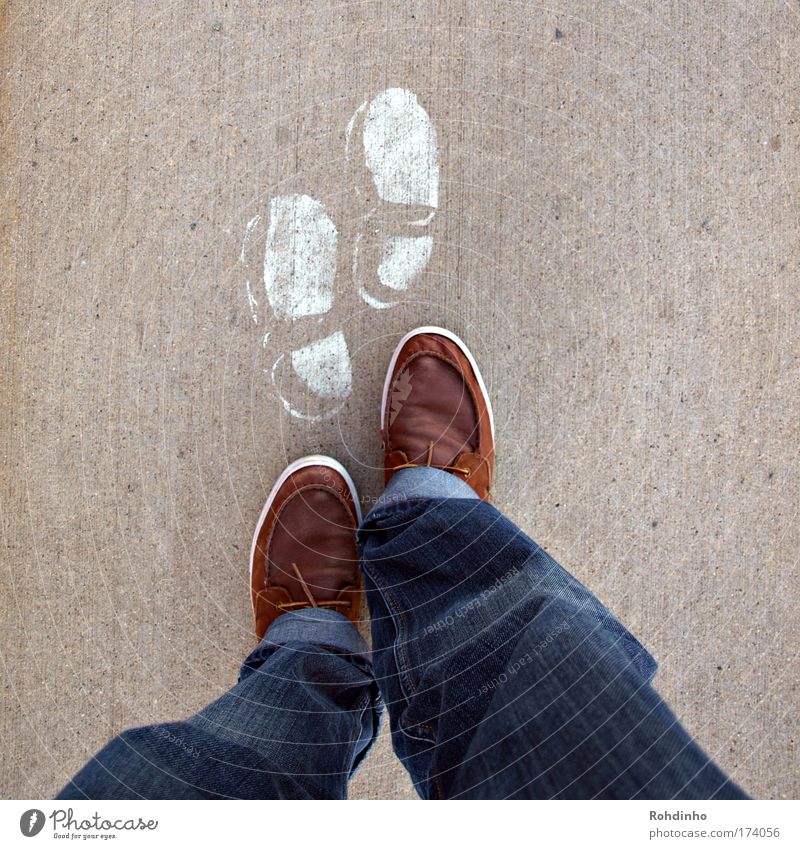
pixel 324 366
pixel 351 125
pixel 251 300
pixel 370 300
pixel 299 414
pixel 251 225
pixel 403 259
pixel 400 148
pixel 396 139
pixel 375 303
pixel 300 259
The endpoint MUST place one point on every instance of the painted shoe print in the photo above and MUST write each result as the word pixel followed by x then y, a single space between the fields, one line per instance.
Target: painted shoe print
pixel 290 253
pixel 393 158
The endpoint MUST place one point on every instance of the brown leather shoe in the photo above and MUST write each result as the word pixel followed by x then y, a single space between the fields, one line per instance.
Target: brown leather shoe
pixel 304 550
pixel 436 411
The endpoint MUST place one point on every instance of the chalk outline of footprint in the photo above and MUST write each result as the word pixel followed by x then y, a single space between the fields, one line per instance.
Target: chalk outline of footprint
pixel 392 161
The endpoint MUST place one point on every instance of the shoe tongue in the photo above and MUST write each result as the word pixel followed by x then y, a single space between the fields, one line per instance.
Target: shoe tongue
pixel 431 403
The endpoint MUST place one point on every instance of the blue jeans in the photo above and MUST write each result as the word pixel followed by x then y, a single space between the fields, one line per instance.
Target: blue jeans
pixel 503 676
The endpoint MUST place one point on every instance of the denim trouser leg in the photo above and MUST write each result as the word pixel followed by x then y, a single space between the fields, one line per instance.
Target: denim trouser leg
pixel 503 675
pixel 296 725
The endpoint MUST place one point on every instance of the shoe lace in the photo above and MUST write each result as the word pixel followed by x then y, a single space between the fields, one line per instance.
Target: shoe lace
pixel 290 605
pixel 430 465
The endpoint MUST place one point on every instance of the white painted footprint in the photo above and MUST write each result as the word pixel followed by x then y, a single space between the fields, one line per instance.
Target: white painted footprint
pixel 391 141
pixel 391 150
pixel 313 377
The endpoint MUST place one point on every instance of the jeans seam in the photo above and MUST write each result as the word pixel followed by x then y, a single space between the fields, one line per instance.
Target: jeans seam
pixel 400 626
pixel 402 659
pixel 374 706
pixel 406 672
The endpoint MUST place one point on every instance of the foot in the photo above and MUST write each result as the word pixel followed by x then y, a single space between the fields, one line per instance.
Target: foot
pixel 304 550
pixel 436 411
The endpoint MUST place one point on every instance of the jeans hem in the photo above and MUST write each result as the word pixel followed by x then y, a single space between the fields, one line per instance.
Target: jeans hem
pixel 313 627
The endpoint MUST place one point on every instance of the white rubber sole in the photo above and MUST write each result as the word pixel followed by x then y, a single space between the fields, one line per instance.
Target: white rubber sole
pixel 438 331
pixel 302 463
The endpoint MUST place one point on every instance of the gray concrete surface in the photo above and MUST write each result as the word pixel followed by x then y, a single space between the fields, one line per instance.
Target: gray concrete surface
pixel 617 239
